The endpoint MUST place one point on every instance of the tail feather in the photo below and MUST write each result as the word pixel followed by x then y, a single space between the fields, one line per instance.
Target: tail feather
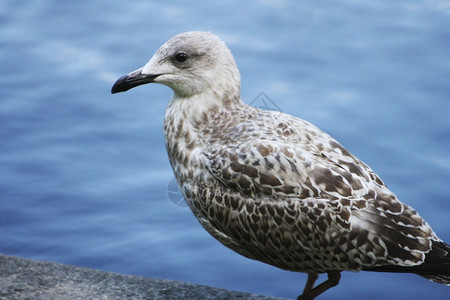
pixel 440 278
pixel 439 258
pixel 436 266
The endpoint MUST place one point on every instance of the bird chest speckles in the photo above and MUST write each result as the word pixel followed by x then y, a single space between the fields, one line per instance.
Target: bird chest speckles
pixel 180 141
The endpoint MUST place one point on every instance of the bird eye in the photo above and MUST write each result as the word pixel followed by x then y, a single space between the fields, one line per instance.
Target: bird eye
pixel 181 57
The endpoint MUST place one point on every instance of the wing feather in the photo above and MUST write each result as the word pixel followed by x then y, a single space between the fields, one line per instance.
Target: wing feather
pixel 265 167
pixel 355 206
pixel 311 192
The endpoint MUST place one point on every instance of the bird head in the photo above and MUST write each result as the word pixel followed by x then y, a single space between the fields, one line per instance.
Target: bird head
pixel 189 63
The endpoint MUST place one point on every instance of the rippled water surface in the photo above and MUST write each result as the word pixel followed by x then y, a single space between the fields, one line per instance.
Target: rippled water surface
pixel 84 176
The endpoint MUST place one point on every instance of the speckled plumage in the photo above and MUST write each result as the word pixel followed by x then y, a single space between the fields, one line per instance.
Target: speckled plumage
pixel 276 188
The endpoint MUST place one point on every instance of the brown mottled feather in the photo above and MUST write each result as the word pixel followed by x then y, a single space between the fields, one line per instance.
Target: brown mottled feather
pixel 273 187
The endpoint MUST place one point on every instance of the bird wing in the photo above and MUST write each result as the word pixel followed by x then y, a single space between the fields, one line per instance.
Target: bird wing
pixel 342 199
pixel 278 168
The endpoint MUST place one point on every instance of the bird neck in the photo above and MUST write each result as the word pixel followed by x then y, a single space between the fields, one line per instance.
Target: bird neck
pixel 191 113
pixel 184 121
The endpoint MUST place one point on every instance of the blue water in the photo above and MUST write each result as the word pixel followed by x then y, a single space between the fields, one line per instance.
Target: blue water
pixel 84 176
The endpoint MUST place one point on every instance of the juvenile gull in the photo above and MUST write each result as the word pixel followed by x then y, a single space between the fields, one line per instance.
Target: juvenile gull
pixel 276 188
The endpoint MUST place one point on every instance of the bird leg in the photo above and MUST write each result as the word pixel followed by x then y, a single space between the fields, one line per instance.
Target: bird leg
pixel 312 277
pixel 310 293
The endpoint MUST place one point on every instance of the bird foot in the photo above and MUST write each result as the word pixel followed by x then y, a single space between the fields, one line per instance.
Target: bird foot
pixel 310 292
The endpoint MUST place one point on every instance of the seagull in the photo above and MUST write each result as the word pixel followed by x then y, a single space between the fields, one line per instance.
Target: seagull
pixel 273 187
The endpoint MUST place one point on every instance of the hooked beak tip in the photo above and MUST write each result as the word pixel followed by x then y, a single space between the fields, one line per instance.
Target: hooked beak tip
pixel 132 80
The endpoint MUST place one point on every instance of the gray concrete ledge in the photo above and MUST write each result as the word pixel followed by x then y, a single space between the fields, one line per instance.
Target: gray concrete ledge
pixel 22 278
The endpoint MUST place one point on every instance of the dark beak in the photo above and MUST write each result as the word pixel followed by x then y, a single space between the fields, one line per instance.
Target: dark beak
pixel 132 80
